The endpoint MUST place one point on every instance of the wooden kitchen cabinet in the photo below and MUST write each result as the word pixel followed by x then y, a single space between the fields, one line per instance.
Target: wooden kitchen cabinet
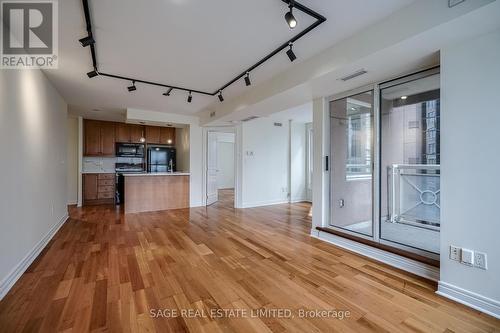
pixel 129 133
pixel 160 135
pixel 89 187
pixel 136 133
pixel 122 132
pixel 107 139
pixel 92 138
pixel 153 134
pixel 167 136
pixel 99 189
pixel 99 138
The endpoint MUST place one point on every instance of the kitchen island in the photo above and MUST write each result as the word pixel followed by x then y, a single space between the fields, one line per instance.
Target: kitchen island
pixel 149 192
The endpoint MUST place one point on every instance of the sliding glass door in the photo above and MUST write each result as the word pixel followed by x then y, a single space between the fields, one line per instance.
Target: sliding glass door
pixel 351 129
pixel 385 163
pixel 410 163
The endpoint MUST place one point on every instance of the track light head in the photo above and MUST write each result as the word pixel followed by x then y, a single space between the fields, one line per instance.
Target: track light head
pixel 86 41
pixel 168 92
pixel 289 18
pixel 92 74
pixel 132 87
pixel 221 98
pixel 290 53
pixel 247 79
pixel 190 97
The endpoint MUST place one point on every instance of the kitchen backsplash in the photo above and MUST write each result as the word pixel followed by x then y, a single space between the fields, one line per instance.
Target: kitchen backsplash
pixel 99 164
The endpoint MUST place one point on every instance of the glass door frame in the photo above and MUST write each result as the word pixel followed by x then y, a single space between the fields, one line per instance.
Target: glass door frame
pixel 375 146
pixel 376 89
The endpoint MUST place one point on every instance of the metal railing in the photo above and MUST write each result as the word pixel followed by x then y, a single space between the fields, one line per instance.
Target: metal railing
pixel 414 195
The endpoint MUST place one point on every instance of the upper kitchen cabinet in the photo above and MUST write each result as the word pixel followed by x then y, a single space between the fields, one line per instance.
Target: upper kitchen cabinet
pixel 153 134
pixel 99 137
pixel 129 133
pixel 167 135
pixel 160 135
pixel 136 133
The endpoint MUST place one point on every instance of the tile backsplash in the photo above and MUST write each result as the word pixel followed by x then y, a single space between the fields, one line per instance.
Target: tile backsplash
pixel 99 164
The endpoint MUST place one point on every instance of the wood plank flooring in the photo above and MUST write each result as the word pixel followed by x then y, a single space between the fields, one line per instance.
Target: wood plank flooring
pixel 107 272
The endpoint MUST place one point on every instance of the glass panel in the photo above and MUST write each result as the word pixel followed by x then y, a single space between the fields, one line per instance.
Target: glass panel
pixel 351 131
pixel 410 157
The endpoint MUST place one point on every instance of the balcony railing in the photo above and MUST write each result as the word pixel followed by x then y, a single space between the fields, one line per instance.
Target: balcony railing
pixel 414 195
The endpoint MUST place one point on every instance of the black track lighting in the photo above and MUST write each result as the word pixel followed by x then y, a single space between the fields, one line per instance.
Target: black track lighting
pixel 221 98
pixel 290 53
pixel 86 41
pixel 290 19
pixel 132 87
pixel 190 97
pixel 168 92
pixel 247 80
pixel 92 74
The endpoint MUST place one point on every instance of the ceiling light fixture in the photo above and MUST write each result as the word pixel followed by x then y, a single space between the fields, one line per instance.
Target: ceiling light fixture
pixel 221 98
pixel 86 41
pixel 404 97
pixel 289 18
pixel 92 74
pixel 168 92
pixel 290 53
pixel 247 79
pixel 190 97
pixel 132 87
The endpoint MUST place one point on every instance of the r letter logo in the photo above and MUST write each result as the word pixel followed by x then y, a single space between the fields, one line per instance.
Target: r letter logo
pixel 29 34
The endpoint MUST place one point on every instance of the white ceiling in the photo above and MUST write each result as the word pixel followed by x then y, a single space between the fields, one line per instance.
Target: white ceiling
pixel 197 44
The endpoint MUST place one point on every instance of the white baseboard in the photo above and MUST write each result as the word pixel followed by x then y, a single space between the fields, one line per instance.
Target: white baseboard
pixel 11 278
pixel 263 203
pixel 470 299
pixel 297 200
pixel 389 258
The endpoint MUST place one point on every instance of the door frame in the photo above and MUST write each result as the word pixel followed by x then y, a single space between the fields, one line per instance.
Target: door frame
pixel 238 167
pixel 375 161
pixel 377 175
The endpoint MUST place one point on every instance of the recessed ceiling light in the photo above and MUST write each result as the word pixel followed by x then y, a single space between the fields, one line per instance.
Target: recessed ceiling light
pixel 404 97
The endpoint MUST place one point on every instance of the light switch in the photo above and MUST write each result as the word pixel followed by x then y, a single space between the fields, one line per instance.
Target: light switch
pixel 467 257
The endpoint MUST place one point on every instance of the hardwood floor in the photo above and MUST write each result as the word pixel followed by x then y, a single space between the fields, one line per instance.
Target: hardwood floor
pixel 104 271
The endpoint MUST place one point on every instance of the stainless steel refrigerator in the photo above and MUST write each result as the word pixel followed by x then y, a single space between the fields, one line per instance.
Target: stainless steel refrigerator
pixel 161 159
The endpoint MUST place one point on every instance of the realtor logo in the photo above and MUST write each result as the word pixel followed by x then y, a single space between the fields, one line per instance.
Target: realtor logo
pixel 29 34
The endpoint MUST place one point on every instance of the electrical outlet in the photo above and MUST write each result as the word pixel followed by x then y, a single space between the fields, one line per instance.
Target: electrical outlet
pixel 455 253
pixel 480 260
pixel 467 257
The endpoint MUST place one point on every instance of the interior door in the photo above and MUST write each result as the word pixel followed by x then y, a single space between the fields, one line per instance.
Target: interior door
pixel 212 194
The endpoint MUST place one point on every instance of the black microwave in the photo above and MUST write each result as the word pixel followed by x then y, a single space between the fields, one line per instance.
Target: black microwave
pixel 130 150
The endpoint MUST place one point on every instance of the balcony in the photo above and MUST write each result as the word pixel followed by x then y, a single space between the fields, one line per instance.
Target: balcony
pixel 414 195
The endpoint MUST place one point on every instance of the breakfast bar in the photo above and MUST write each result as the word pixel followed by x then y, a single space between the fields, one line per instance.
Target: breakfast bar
pixel 149 192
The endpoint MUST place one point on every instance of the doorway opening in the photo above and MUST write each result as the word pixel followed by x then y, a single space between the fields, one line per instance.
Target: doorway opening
pixel 221 167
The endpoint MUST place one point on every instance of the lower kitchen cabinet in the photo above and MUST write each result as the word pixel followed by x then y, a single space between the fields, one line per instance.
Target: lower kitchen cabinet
pixel 99 189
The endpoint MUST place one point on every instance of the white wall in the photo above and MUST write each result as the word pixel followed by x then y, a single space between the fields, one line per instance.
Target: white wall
pixel 33 124
pixel 72 161
pixel 298 154
pixel 225 160
pixel 470 160
pixel 265 150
